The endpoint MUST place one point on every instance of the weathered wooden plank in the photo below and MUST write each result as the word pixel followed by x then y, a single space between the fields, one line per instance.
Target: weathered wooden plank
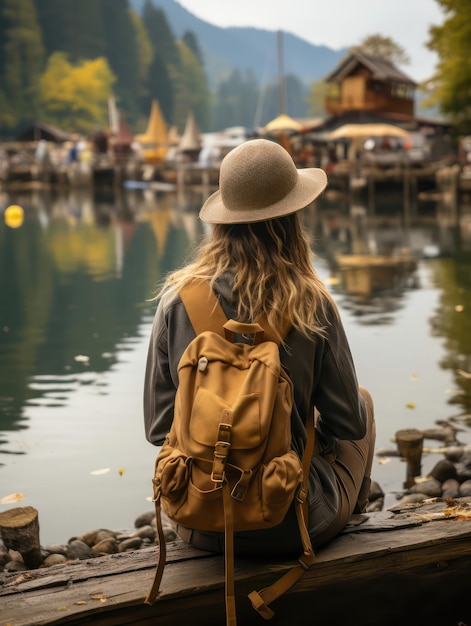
pixel 424 544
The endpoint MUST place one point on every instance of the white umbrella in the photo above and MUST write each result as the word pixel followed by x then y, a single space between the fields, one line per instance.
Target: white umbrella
pixel 282 123
pixel 352 131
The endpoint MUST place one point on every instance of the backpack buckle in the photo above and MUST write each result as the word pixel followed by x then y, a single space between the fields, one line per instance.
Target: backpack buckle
pixel 221 450
pixel 240 488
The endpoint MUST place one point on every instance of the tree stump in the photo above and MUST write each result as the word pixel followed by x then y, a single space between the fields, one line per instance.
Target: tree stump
pixel 19 530
pixel 409 444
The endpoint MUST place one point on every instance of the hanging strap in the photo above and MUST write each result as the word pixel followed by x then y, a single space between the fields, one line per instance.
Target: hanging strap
pixel 154 591
pixel 231 618
pixel 262 599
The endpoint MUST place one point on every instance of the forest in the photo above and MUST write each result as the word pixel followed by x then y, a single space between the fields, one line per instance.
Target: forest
pixel 61 60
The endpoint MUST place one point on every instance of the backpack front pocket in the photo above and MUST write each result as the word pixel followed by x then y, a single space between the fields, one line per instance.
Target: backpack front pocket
pixel 279 480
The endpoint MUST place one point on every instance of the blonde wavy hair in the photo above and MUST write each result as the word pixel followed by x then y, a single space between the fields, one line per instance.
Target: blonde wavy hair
pixel 273 273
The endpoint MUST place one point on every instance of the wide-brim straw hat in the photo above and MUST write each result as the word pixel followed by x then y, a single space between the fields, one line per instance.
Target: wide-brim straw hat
pixel 259 181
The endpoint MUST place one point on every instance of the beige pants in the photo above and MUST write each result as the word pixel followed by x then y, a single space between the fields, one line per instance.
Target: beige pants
pixel 352 468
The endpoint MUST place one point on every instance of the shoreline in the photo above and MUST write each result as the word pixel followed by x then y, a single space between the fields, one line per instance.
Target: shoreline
pixel 449 478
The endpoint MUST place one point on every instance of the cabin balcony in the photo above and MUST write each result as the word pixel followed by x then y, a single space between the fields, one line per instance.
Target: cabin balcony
pixel 338 105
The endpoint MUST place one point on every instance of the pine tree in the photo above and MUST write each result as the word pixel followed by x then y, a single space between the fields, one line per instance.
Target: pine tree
pixel 121 50
pixel 165 66
pixel 451 83
pixel 72 26
pixel 21 62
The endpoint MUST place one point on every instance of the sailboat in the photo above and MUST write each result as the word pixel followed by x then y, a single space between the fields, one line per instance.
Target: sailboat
pixel 154 141
pixel 190 143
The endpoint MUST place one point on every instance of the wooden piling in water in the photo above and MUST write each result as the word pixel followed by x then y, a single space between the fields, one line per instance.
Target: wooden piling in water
pixel 409 442
pixel 19 530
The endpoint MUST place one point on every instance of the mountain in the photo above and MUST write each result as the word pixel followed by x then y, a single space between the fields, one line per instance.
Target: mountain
pixel 248 48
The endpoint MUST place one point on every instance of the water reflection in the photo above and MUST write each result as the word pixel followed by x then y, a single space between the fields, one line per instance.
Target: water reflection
pixel 76 281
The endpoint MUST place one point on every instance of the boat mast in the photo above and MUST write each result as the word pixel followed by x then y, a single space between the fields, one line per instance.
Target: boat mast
pixel 281 74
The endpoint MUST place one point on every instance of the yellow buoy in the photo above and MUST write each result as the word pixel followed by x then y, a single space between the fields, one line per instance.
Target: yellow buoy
pixel 14 216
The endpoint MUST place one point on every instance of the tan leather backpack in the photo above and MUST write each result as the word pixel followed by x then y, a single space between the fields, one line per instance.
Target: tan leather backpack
pixel 227 463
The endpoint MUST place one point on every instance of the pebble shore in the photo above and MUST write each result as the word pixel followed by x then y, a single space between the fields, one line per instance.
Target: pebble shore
pixel 449 478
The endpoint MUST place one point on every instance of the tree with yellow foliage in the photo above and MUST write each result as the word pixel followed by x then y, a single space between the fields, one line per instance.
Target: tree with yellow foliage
pixel 75 97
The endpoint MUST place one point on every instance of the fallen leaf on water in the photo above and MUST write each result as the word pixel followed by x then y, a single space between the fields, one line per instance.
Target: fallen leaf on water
pixel 410 405
pixel 98 472
pixel 81 358
pixel 12 498
pixel 414 377
pixel 121 471
pixel 383 461
pixel 80 602
pixel 459 308
pixel 463 373
pixel 61 608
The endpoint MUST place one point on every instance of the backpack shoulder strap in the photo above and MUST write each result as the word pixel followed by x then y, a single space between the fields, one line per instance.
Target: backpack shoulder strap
pixel 206 313
pixel 203 308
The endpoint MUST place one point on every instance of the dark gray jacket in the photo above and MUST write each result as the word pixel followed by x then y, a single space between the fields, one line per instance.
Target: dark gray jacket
pixel 323 376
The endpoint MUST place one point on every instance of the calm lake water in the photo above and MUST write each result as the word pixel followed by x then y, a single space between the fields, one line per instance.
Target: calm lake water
pixel 76 282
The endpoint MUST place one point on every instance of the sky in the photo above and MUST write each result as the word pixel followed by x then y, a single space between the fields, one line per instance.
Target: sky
pixel 335 23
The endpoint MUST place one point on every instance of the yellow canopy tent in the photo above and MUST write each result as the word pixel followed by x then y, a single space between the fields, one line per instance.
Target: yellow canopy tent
pixel 154 141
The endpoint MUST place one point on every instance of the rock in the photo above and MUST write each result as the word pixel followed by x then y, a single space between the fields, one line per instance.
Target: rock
pixel 451 488
pixel 54 559
pixel 443 470
pixel 15 556
pixel 465 488
pixel 375 492
pixel 431 488
pixel 90 537
pixel 466 458
pixel 4 558
pixel 454 453
pixel 14 566
pixel 104 534
pixel 133 543
pixel 445 433
pixel 56 548
pixel 77 549
pixel 375 506
pixel 169 534
pixel 463 473
pixel 145 519
pixel 145 532
pixel 412 498
pixel 105 546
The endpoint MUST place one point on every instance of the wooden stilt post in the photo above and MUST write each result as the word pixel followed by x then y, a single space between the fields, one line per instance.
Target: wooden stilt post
pixel 19 530
pixel 409 444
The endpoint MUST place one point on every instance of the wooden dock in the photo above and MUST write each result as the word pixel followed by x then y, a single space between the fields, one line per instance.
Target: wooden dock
pixel 408 567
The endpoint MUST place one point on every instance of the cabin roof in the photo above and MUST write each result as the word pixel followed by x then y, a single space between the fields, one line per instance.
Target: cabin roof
pixel 380 68
pixel 42 130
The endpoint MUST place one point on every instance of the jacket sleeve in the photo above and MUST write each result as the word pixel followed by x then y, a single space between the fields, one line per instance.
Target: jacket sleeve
pixel 337 397
pixel 171 334
pixel 159 387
